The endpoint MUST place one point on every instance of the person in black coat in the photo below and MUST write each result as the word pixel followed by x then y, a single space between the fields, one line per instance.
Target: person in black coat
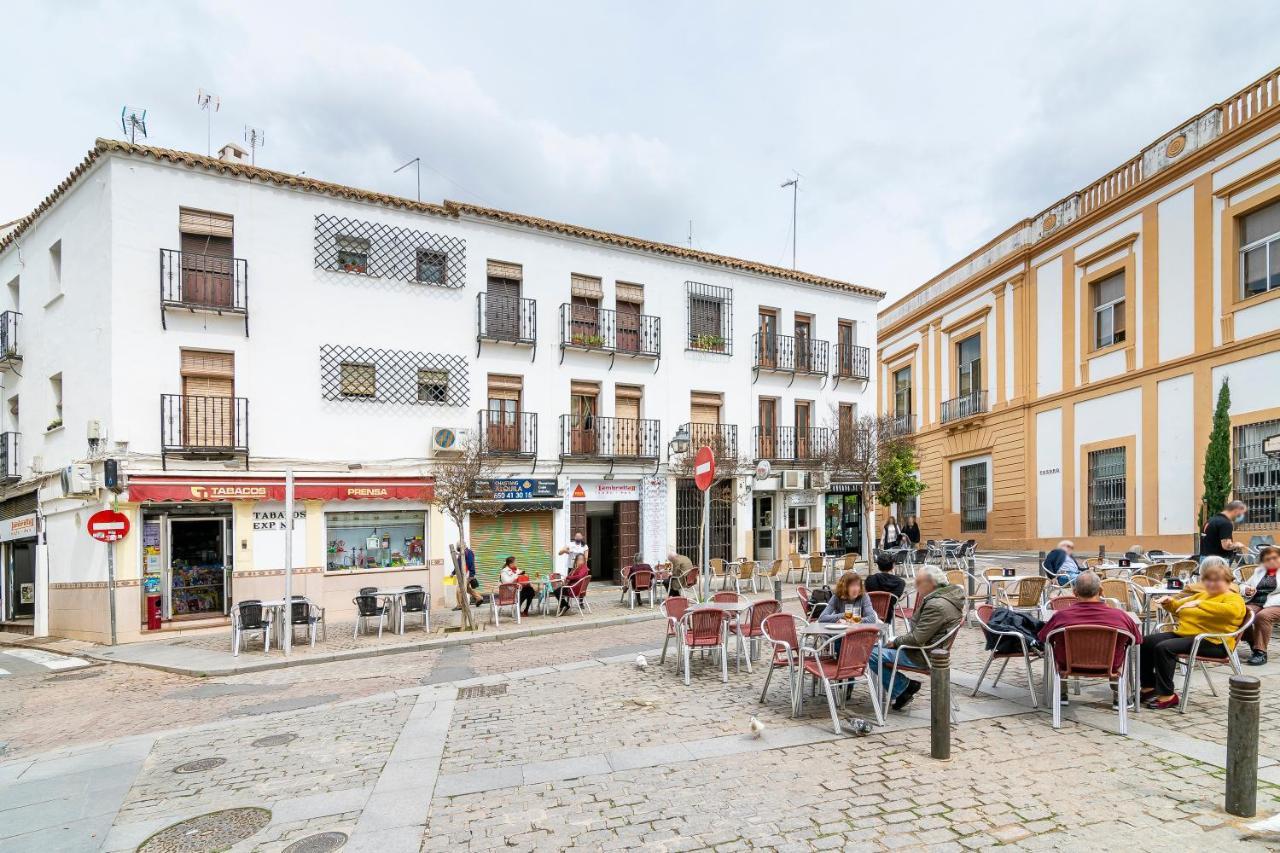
pixel 884 580
pixel 911 530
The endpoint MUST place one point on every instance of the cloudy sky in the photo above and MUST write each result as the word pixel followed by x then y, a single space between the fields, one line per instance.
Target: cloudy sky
pixel 920 129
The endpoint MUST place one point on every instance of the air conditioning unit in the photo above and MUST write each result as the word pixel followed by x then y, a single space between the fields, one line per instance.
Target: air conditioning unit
pixel 819 480
pixel 77 480
pixel 793 480
pixel 447 441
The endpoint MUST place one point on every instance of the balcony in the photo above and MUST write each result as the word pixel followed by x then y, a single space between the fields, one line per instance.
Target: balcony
pixel 506 319
pixel 596 438
pixel 591 329
pixel 9 470
pixel 852 362
pixel 965 406
pixel 792 445
pixel 721 438
pixel 203 283
pixel 510 434
pixel 203 427
pixel 903 424
pixel 786 354
pixel 10 354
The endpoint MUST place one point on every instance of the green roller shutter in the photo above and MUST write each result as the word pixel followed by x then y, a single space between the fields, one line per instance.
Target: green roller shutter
pixel 523 535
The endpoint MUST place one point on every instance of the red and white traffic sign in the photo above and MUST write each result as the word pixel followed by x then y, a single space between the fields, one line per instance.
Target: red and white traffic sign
pixel 108 525
pixel 704 468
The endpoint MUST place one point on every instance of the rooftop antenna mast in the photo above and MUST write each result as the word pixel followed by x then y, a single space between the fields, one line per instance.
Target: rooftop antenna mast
pixel 210 103
pixel 416 162
pixel 256 138
pixel 794 183
pixel 133 121
pixel 690 233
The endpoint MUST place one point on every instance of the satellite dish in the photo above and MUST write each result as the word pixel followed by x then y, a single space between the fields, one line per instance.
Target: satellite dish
pixel 763 469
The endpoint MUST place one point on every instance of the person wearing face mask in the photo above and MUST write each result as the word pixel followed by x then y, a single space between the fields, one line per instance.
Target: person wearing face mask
pixel 1262 597
pixel 1216 540
pixel 573 549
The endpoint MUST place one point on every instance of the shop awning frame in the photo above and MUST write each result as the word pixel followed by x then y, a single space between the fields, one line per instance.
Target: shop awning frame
pixel 158 489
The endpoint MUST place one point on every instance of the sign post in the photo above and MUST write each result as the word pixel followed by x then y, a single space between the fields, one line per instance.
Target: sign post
pixel 704 473
pixel 288 561
pixel 110 526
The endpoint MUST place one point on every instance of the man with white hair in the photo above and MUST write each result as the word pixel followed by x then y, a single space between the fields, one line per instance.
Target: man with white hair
pixel 1061 563
pixel 680 568
pixel 939 608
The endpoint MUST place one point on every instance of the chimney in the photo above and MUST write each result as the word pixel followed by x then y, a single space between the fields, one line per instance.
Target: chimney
pixel 233 153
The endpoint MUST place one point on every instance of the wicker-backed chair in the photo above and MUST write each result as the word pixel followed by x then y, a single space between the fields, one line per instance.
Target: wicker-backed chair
pixel 1090 652
pixel 1181 567
pixel 705 630
pixel 848 562
pixel 883 603
pixel 673 610
pixel 310 616
pixel 775 570
pixel 1062 602
pixel 416 602
pixel 780 632
pixel 718 570
pixel 1193 658
pixel 368 590
pixel 901 664
pixel 638 582
pixel 727 597
pixel 802 595
pixel 746 575
pixel 1120 590
pixel 840 671
pixel 1025 651
pixel 576 595
pixel 795 563
pixel 815 565
pixel 1025 594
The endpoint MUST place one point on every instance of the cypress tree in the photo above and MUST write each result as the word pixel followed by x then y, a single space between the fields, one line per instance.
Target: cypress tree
pixel 1217 457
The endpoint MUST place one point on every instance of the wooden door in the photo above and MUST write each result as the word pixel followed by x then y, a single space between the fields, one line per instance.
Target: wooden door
pixel 767 341
pixel 582 425
pixel 804 445
pixel 626 426
pixel 628 314
pixel 504 425
pixel 578 524
pixel 803 356
pixel 208 398
pixel 627 540
pixel 768 435
pixel 585 326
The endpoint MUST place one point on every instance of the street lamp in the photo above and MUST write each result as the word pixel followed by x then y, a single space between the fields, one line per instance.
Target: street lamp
pixel 680 444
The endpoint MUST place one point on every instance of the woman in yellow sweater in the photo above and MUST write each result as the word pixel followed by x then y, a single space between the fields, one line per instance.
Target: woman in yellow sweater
pixel 1216 609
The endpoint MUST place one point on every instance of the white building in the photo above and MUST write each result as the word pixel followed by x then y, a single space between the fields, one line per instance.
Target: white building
pixel 207 324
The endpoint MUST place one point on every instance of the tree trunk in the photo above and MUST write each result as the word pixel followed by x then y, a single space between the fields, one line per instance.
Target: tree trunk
pixel 468 622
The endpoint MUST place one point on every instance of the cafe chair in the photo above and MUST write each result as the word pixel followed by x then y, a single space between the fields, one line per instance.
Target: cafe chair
pixel 842 669
pixel 639 580
pixel 780 632
pixel 746 575
pixel 369 607
pixel 416 601
pixel 707 630
pixel 311 616
pixel 673 610
pixel 508 595
pixel 1024 651
pixel 1192 659
pixel 1089 652
pixel 249 618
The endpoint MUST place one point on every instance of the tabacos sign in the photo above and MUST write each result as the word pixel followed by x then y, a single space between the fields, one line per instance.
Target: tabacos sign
pixel 604 490
pixel 230 493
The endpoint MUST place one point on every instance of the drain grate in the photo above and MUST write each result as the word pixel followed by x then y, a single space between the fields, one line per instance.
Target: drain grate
pixel 482 691
pixel 322 843
pixel 276 740
pixel 208 833
pixel 200 765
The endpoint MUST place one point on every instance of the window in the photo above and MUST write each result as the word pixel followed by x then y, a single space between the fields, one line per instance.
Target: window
pixel 55 269
pixel 55 389
pixel 358 380
pixel 353 253
pixel 1108 310
pixel 710 318
pixel 969 365
pixel 1260 251
pixel 1107 492
pixel 433 386
pixel 798 530
pixel 973 497
pixel 909 507
pixel 1257 476
pixel 431 266
pixel 902 392
pixel 367 540
pixel 15 292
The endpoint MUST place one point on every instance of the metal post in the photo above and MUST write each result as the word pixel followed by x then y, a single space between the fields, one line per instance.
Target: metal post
pixel 1242 746
pixel 940 705
pixel 1102 552
pixel 777 590
pixel 111 587
pixel 288 560
pixel 706 544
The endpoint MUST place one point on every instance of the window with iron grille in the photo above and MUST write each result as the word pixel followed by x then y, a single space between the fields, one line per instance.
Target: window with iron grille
pixel 973 497
pixel 1108 510
pixel 1260 251
pixel 1257 476
pixel 393 376
pixel 710 318
pixel 384 251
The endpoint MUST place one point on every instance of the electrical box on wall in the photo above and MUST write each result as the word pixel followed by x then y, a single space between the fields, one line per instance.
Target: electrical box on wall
pixel 77 479
pixel 793 480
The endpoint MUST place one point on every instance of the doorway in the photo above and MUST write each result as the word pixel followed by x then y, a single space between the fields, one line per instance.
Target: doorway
pixel 22 579
pixel 198 567
pixel 762 524
pixel 612 531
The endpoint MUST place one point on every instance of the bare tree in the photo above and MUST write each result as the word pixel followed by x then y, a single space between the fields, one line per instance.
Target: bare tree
pixel 456 496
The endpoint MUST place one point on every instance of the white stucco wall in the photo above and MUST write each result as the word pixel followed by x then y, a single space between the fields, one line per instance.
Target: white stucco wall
pixel 1048 284
pixel 1175 440
pixel 1048 426
pixel 1176 247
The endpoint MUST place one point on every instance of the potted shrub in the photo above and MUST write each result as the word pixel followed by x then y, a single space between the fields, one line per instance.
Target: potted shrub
pixel 53 424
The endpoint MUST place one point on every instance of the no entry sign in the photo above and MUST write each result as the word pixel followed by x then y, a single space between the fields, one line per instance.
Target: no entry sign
pixel 108 525
pixel 704 468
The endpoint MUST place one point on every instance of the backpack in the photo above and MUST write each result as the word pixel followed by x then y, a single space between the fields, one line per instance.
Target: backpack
pixel 818 599
pixel 1004 619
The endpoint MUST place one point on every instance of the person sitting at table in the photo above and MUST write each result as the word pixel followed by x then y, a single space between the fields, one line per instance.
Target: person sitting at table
pixel 680 568
pixel 1135 554
pixel 911 531
pixel 849 594
pixel 940 608
pixel 1061 563
pixel 511 573
pixel 884 579
pixel 1212 609
pixel 1262 597
pixel 1089 609
pixel 574 581
pixel 892 534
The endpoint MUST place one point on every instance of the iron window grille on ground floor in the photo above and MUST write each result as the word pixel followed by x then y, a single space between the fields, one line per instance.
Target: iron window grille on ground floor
pixel 1108 498
pixel 973 498
pixel 689 520
pixel 1256 476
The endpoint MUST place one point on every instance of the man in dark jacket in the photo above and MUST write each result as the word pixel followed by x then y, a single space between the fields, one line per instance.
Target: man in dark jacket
pixel 885 580
pixel 1060 563
pixel 939 608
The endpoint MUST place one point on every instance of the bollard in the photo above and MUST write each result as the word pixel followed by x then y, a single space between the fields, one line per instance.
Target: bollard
pixel 1102 552
pixel 1242 746
pixel 940 705
pixel 777 590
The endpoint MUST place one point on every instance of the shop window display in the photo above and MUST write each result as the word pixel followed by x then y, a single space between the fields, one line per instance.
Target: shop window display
pixel 375 540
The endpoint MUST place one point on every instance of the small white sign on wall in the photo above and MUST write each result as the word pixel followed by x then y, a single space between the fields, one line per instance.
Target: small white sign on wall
pixel 269 533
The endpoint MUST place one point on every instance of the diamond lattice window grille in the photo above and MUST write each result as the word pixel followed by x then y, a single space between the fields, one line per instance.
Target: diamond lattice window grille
pixel 385 251
pixel 375 375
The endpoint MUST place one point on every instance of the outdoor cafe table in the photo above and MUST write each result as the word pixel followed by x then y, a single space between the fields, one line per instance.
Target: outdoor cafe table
pixel 279 619
pixel 732 609
pixel 395 601
pixel 1148 593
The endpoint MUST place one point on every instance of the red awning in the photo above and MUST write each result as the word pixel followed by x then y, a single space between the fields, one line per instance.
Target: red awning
pixel 185 489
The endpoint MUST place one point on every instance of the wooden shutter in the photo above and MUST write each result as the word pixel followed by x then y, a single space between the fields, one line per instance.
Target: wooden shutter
pixel 627 540
pixel 205 223
pixel 630 294
pixel 704 316
pixel 502 269
pixel 578 519
pixel 503 387
pixel 586 286
pixel 627 407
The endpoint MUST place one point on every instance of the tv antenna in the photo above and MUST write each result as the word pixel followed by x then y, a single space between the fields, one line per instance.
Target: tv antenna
pixel 794 183
pixel 210 103
pixel 256 138
pixel 133 122
pixel 416 162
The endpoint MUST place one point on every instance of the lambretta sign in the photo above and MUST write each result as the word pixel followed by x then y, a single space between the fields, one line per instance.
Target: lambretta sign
pixel 21 527
pixel 604 490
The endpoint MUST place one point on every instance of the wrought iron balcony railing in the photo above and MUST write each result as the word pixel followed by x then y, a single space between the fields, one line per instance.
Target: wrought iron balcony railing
pixel 791 444
pixel 204 283
pixel 591 437
pixel 9 470
pixel 512 319
pixel 505 433
pixel 204 426
pixel 787 354
pixel 964 406
pixel 10 352
pixel 853 362
pixel 617 332
pixel 903 424
pixel 721 438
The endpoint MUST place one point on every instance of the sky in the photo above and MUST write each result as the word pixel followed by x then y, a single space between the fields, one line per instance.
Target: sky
pixel 919 130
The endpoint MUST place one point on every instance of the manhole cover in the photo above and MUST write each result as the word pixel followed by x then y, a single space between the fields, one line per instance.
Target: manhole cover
pixel 200 765
pixel 482 691
pixel 208 833
pixel 322 843
pixel 276 740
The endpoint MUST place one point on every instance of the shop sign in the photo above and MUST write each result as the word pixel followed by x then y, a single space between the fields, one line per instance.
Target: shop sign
pixel 514 490
pixel 155 489
pixel 22 527
pixel 605 490
pixel 269 536
pixel 844 488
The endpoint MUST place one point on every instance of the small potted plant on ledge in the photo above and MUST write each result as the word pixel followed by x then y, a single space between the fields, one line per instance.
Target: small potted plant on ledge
pixel 53 424
pixel 713 343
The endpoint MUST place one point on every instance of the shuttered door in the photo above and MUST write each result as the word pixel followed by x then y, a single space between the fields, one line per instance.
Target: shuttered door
pixel 207 249
pixel 502 309
pixel 578 520
pixel 628 538
pixel 628 314
pixel 208 405
pixel 626 435
pixel 523 535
